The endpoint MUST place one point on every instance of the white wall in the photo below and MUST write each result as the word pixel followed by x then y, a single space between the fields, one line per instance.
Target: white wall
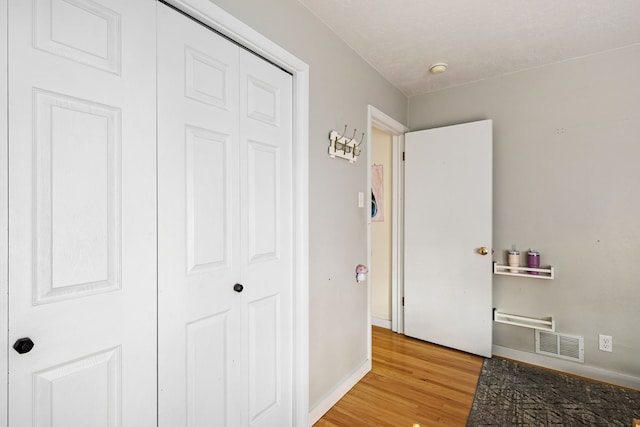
pixel 341 87
pixel 382 154
pixel 566 177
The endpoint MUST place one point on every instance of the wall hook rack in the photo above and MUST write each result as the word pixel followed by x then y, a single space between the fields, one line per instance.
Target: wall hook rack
pixel 344 147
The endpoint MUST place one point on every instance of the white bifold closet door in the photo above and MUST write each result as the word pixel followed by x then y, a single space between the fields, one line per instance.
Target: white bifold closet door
pixel 82 213
pixel 225 231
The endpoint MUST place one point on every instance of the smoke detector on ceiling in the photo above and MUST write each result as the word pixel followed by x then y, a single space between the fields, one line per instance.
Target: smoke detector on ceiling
pixel 438 68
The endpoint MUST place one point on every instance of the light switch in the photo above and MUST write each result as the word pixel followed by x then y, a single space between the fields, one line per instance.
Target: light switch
pixel 360 199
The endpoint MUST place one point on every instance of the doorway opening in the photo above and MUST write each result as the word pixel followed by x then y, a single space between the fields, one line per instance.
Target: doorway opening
pixel 389 130
pixel 381 226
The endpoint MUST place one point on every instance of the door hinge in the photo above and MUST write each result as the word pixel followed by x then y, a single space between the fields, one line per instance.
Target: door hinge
pixel 403 301
pixel 403 156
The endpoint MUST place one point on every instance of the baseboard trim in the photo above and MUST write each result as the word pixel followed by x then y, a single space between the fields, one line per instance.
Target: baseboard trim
pixel 379 321
pixel 338 393
pixel 581 370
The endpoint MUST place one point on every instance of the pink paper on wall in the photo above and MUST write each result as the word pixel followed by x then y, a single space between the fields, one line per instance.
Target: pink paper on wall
pixel 377 194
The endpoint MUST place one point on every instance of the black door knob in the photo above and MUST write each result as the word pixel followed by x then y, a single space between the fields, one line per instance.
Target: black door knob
pixel 23 345
pixel 238 287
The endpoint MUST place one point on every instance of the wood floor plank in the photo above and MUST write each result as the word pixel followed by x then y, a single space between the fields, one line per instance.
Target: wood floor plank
pixel 411 382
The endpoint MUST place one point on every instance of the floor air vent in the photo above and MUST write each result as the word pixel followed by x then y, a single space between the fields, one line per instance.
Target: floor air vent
pixel 569 347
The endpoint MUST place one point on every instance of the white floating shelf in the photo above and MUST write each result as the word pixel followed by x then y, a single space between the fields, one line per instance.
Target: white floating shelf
pixel 343 147
pixel 544 324
pixel 543 273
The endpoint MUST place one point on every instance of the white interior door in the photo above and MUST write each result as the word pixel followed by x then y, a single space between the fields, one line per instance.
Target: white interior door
pixel 199 230
pixel 82 209
pixel 225 259
pixel 266 183
pixel 448 218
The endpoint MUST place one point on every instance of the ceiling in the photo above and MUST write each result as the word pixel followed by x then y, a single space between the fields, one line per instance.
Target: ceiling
pixel 478 39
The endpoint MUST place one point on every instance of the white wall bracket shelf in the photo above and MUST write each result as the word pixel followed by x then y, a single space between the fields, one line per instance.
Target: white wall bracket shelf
pixel 343 147
pixel 543 272
pixel 544 324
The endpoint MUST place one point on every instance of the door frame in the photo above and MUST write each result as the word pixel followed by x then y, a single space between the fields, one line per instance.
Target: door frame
pixel 380 120
pixel 228 25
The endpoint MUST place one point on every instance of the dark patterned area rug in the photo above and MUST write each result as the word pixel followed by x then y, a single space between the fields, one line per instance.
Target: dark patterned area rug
pixel 511 394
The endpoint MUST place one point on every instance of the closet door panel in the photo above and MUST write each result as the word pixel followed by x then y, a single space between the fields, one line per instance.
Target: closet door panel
pixel 209 369
pixel 266 182
pixel 224 195
pixel 198 206
pixel 77 172
pixel 82 212
pixel 265 357
pixel 263 201
pixel 208 200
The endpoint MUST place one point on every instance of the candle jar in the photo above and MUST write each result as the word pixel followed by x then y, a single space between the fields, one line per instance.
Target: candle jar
pixel 514 260
pixel 533 260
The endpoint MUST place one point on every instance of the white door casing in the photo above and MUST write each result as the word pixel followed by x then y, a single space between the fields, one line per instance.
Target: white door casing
pixel 82 230
pixel 448 205
pixel 225 220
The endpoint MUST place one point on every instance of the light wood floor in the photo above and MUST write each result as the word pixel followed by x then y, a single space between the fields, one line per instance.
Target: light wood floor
pixel 412 382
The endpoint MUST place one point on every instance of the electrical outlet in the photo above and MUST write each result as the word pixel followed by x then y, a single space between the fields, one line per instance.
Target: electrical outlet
pixel 605 343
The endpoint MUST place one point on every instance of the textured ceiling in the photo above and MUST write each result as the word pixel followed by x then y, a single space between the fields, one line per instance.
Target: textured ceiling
pixel 479 39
